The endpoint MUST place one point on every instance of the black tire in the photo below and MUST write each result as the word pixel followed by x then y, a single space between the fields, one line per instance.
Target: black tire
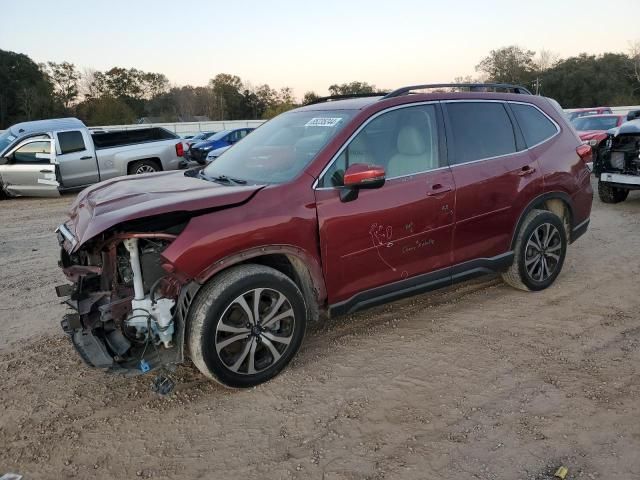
pixel 143 166
pixel 611 194
pixel 523 273
pixel 217 317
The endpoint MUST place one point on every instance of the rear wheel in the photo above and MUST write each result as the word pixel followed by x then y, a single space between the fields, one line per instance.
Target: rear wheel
pixel 539 252
pixel 611 194
pixel 246 325
pixel 143 166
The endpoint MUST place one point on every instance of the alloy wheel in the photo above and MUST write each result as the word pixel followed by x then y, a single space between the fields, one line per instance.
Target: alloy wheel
pixel 254 331
pixel 542 252
pixel 145 169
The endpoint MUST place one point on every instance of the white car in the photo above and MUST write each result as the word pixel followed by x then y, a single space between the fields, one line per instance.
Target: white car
pixel 213 154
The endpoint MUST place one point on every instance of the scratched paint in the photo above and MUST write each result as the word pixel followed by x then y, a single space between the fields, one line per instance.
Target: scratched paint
pixel 381 239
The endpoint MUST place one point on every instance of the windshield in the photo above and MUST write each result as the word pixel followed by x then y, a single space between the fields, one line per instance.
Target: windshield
pixel 202 136
pixel 218 136
pixel 595 123
pixel 281 148
pixel 6 139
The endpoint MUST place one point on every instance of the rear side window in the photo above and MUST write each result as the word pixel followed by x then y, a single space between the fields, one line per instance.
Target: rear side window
pixel 71 142
pixel 480 130
pixel 535 126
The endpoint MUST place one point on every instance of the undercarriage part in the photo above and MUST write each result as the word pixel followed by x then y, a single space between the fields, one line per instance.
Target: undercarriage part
pixel 91 349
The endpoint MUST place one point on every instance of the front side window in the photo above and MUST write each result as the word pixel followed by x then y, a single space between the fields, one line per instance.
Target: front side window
pixel 280 149
pixel 70 142
pixel 403 141
pixel 28 153
pixel 480 130
pixel 535 126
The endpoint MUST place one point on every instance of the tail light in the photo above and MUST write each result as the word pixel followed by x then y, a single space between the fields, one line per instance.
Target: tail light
pixel 585 153
pixel 180 149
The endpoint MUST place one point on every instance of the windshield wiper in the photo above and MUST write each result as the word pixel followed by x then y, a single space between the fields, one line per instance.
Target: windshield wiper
pixel 223 179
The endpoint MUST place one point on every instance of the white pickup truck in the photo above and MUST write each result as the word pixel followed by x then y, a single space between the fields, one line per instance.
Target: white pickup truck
pixel 44 157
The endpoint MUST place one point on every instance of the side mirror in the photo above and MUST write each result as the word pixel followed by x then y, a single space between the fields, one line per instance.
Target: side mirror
pixel 4 160
pixel 361 175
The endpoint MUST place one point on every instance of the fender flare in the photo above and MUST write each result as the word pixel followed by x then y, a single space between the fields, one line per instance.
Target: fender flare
pixel 559 195
pixel 301 260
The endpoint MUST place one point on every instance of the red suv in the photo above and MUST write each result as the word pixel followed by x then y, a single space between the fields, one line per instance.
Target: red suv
pixel 329 208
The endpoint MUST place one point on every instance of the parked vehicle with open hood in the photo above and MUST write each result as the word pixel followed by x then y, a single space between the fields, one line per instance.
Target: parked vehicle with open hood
pixel 45 157
pixel 329 208
pixel 617 164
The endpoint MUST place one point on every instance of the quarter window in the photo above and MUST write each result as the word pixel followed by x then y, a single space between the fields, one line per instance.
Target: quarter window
pixel 403 141
pixel 480 130
pixel 70 142
pixel 535 126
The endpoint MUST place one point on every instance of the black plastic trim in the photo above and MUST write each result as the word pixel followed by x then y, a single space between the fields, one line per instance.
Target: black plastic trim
pixel 422 283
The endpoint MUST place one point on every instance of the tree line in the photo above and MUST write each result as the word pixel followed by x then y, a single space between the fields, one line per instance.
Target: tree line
pixel 30 91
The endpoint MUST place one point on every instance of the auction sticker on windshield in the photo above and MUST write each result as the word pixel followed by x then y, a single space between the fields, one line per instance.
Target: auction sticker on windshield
pixel 322 122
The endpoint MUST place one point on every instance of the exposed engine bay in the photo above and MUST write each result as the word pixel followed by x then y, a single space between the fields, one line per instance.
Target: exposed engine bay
pixel 127 303
pixel 620 153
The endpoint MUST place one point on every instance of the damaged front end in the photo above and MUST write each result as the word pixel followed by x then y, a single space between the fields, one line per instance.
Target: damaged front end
pixel 619 156
pixel 129 307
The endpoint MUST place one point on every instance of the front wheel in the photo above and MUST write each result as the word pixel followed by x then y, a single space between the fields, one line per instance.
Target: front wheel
pixel 610 194
pixel 246 325
pixel 539 252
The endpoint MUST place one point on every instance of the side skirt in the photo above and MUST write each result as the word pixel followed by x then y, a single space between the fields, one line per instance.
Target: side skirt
pixel 422 283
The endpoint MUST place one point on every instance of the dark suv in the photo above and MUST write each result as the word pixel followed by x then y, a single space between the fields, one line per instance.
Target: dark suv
pixel 326 209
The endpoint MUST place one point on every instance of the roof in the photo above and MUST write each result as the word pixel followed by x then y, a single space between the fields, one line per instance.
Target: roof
pixel 349 104
pixel 38 126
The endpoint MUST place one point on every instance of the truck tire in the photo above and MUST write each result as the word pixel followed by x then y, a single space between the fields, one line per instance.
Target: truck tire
pixel 143 166
pixel 611 194
pixel 246 325
pixel 539 252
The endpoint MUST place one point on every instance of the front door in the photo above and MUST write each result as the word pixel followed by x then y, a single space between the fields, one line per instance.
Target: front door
pixel 30 169
pixel 383 242
pixel 77 162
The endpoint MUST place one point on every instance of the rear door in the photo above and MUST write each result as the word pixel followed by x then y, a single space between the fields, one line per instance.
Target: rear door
pixel 30 169
pixel 76 158
pixel 381 243
pixel 495 177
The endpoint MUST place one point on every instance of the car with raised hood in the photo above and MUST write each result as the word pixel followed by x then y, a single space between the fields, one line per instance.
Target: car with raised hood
pixel 324 210
pixel 617 163
pixel 46 157
pixel 225 138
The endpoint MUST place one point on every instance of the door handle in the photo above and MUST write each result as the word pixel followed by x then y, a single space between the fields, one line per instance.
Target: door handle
pixel 438 189
pixel 88 157
pixel 526 170
pixel 46 171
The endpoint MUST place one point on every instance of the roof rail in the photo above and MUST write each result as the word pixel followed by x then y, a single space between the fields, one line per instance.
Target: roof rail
pixel 495 86
pixel 345 96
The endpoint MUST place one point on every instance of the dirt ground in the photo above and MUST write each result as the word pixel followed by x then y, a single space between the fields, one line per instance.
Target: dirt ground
pixel 480 381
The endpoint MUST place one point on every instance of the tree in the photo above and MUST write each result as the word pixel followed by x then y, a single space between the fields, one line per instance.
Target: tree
pixel 310 97
pixel 634 55
pixel 106 110
pixel 25 91
pixel 589 80
pixel 226 89
pixel 65 79
pixel 508 65
pixel 351 88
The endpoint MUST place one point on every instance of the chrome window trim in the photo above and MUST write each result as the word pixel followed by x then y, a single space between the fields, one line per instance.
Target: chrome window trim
pixel 360 128
pixel 335 157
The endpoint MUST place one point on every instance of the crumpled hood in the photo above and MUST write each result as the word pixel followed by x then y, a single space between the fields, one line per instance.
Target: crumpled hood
pixel 121 199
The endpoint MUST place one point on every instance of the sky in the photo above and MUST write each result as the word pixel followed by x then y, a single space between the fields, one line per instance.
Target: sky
pixel 309 45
